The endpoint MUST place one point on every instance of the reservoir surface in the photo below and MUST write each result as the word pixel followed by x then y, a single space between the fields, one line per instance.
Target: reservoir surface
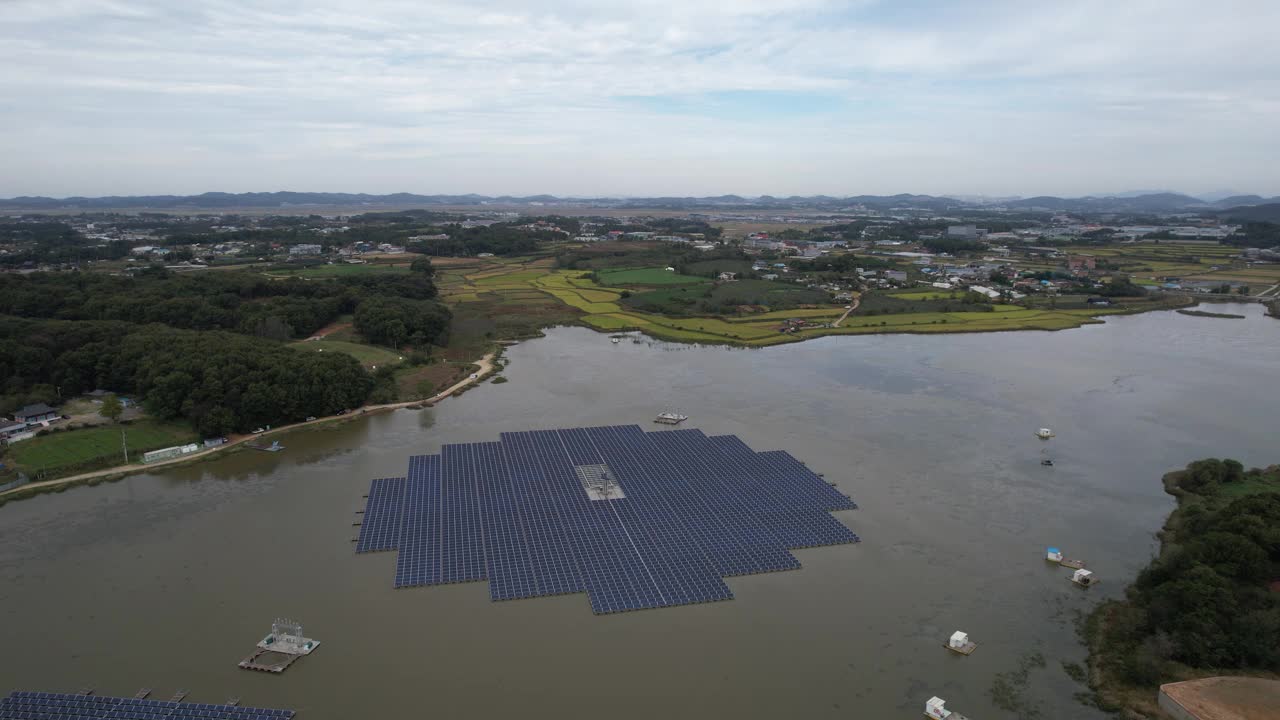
pixel 167 580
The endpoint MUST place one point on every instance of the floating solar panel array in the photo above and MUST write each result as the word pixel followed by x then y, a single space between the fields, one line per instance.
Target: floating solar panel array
pixel 60 706
pixel 687 511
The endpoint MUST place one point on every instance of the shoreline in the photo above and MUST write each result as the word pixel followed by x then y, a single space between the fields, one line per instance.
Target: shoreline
pixel 1108 690
pixel 32 489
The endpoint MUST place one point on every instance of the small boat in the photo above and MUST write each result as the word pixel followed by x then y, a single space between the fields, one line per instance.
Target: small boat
pixel 670 418
pixel 1047 462
pixel 1044 433
pixel 616 341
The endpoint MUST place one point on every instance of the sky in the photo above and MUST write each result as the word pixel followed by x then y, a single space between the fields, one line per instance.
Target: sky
pixel 639 97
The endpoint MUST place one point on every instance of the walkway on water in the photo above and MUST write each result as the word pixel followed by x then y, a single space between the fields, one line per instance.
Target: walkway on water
pixel 486 369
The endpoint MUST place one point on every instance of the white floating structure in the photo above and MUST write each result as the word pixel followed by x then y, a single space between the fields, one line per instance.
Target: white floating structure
pixel 1054 555
pixel 278 650
pixel 286 637
pixel 1083 578
pixel 1044 433
pixel 960 643
pixel 935 708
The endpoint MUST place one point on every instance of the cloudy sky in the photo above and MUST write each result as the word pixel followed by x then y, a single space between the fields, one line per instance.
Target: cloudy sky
pixel 642 97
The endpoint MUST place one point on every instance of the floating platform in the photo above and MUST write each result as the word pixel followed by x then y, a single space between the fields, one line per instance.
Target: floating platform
pixel 668 418
pixel 142 694
pixel 268 661
pixel 635 519
pixel 280 649
pixel 1073 564
pixel 966 649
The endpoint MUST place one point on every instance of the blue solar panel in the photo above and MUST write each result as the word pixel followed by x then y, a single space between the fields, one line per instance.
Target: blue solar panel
pixel 380 529
pixel 693 510
pixel 25 705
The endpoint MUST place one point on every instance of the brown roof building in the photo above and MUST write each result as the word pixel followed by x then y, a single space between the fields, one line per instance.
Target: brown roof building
pixel 1222 698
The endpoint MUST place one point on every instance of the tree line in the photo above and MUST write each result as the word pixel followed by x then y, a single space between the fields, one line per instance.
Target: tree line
pixel 236 301
pixel 1204 603
pixel 207 348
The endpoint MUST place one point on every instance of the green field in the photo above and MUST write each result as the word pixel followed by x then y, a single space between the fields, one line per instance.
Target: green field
pixel 65 450
pixel 646 276
pixel 368 355
pixel 484 302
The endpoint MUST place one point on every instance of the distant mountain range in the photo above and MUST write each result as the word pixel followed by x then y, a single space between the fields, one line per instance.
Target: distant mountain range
pixel 1153 203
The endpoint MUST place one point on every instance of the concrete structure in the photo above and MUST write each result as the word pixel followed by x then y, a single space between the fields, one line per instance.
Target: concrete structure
pixel 169 452
pixel 965 231
pixel 1221 698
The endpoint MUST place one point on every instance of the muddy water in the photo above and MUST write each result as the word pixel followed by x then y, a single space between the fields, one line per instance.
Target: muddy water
pixel 167 580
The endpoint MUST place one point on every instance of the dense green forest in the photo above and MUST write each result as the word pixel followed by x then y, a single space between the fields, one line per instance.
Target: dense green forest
pixel 1204 603
pixel 207 348
pixel 1256 234
pixel 236 301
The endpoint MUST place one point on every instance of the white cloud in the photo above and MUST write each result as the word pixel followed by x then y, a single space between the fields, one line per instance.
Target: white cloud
pixel 121 96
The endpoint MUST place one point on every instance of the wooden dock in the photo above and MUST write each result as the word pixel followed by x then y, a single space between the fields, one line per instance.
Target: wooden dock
pixel 966 649
pixel 1073 564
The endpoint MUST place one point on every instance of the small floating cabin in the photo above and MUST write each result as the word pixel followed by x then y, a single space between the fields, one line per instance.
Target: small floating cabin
pixel 1055 555
pixel 935 708
pixel 670 418
pixel 1084 578
pixel 960 643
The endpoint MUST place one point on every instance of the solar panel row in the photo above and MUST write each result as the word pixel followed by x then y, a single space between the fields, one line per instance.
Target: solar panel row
pixel 24 705
pixel 380 529
pixel 696 509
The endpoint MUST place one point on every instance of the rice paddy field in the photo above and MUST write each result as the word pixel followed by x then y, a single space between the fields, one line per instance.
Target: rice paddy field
pixel 1150 263
pixel 483 293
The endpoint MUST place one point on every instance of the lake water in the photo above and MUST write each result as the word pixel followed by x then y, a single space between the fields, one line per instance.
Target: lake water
pixel 167 580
